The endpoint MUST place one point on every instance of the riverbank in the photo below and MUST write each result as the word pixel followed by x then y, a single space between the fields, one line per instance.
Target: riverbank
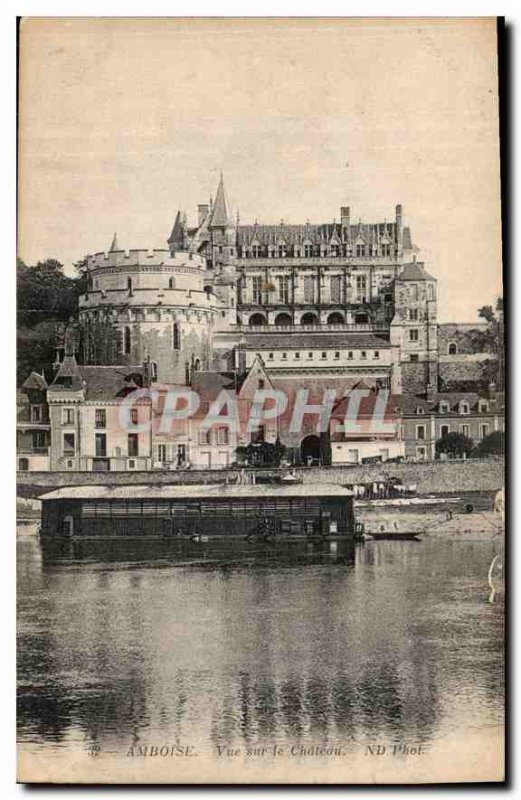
pixel 436 477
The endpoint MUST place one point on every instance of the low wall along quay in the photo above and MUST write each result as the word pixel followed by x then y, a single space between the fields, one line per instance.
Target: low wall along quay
pixel 433 477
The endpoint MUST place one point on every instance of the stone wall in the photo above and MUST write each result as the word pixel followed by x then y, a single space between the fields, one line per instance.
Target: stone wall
pixel 415 377
pixel 468 338
pixel 448 476
pixel 458 371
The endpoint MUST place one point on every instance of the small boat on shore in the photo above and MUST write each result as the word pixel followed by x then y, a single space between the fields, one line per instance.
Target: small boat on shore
pixel 395 535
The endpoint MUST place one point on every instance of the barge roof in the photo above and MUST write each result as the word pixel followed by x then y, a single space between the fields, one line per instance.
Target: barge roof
pixel 194 492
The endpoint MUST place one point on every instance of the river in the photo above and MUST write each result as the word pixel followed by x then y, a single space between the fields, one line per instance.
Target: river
pixel 222 649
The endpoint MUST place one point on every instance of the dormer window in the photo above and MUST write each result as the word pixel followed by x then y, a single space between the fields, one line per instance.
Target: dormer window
pixel 483 406
pixel 464 407
pixel 444 407
pixel 256 251
pixel 420 410
pixel 360 250
pixel 386 250
pixel 308 250
pixel 452 349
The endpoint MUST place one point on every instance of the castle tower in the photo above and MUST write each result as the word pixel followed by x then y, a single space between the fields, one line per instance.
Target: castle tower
pixel 222 229
pixel 149 304
pixel 414 328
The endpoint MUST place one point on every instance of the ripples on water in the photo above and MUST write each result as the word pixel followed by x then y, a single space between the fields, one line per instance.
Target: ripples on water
pixel 120 643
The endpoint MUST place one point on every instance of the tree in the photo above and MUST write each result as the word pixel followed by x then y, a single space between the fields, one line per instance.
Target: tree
pixel 261 454
pixel 455 444
pixel 46 298
pixel 494 338
pixel 492 445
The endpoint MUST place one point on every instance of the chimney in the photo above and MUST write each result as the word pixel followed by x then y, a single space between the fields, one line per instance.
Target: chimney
pixel 431 392
pixel 202 213
pixel 399 227
pixel 345 219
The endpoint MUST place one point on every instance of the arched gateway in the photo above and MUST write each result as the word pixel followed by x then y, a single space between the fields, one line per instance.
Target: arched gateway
pixel 310 450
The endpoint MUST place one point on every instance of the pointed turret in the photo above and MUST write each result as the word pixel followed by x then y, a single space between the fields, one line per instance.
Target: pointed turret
pixel 114 246
pixel 176 240
pixel 220 213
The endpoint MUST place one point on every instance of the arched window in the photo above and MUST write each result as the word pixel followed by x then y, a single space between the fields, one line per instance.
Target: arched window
pixel 283 320
pixel 420 410
pixel 453 349
pixel 153 371
pixel 197 365
pixel 171 283
pixel 127 341
pixel 176 336
pixel 129 285
pixel 257 319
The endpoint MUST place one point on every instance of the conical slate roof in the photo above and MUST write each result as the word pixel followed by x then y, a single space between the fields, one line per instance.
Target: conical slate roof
pixel 114 246
pixel 177 235
pixel 220 213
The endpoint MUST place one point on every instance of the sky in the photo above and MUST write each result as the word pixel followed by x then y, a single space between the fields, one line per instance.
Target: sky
pixel 123 121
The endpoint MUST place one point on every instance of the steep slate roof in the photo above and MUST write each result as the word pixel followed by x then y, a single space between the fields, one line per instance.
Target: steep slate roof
pixel 307 341
pixel 408 403
pixel 109 383
pixel 316 233
pixel 220 214
pixel 366 406
pixel 35 381
pixel 415 272
pixel 177 235
pixel 99 383
pixel 114 245
pixel 208 384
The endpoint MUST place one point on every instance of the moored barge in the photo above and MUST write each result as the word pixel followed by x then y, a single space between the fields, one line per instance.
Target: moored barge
pixel 200 512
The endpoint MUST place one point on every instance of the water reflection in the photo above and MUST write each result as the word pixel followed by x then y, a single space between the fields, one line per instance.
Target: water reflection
pixel 183 643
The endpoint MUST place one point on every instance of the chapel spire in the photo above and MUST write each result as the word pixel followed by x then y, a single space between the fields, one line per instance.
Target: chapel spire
pixel 220 214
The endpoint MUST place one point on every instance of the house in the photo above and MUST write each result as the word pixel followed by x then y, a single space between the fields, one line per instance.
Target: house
pixel 33 429
pixel 427 418
pixel 372 430
pixel 186 441
pixel 88 432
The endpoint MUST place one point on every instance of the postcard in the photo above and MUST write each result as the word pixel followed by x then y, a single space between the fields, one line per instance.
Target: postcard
pixel 260 401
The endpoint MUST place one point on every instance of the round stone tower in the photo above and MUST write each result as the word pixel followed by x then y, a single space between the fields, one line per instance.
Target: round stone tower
pixel 148 306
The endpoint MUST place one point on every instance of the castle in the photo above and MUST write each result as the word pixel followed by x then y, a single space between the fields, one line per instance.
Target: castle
pixel 317 307
pixel 325 300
